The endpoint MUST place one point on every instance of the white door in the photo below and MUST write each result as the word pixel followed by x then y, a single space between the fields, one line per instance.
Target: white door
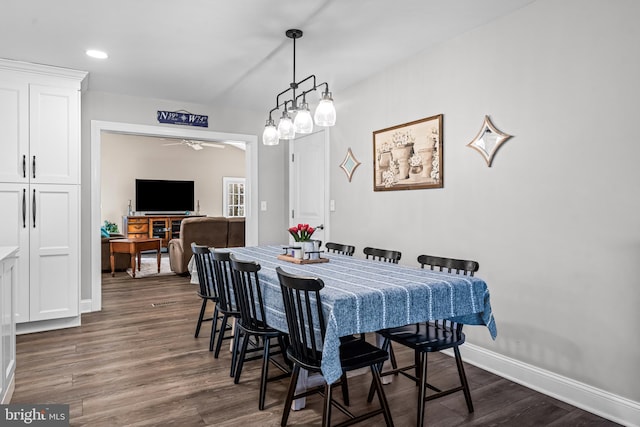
pixel 14 231
pixel 54 155
pixel 54 246
pixel 309 182
pixel 14 130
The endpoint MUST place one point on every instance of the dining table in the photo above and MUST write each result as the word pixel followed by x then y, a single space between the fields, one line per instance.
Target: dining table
pixel 363 295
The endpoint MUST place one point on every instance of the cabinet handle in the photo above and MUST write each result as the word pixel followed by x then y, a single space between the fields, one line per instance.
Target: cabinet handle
pixel 34 166
pixel 33 208
pixel 24 165
pixel 24 208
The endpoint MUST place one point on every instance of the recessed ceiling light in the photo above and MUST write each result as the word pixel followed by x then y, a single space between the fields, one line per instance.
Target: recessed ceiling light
pixel 97 54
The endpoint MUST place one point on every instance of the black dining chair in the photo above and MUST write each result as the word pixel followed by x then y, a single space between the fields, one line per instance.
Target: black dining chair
pixel 207 290
pixel 252 323
pixel 428 337
pixel 384 255
pixel 303 310
pixel 226 303
pixel 340 248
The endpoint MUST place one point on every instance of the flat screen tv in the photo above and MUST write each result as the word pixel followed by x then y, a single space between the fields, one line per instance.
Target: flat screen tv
pixel 158 195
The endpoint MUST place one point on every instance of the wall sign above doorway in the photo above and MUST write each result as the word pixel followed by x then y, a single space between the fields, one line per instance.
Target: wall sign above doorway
pixel 182 117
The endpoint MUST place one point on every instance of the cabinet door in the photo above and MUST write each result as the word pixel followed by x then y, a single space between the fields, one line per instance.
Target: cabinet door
pixel 54 150
pixel 54 246
pixel 7 324
pixel 14 231
pixel 14 130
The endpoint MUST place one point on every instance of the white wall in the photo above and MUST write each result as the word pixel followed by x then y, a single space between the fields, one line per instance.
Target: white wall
pixel 128 157
pixel 554 222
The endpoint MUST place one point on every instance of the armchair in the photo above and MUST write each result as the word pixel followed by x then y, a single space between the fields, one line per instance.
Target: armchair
pixel 206 231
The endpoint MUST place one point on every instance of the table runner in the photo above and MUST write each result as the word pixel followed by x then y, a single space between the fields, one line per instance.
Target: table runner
pixel 366 296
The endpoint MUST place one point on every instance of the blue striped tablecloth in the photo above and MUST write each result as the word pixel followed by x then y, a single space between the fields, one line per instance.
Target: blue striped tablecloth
pixel 366 296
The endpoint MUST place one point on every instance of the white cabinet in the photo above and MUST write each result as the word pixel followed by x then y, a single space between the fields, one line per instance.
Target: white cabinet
pixel 8 277
pixel 39 190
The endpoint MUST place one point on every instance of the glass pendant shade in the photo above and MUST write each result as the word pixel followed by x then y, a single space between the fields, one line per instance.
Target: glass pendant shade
pixel 270 135
pixel 303 122
pixel 325 112
pixel 285 127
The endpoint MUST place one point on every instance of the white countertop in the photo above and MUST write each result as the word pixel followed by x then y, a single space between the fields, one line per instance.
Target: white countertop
pixel 7 251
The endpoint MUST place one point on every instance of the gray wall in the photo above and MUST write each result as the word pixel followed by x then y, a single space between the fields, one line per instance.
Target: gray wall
pixel 554 222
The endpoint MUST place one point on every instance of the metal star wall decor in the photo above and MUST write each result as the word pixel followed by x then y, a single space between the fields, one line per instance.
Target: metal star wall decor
pixel 488 140
pixel 349 164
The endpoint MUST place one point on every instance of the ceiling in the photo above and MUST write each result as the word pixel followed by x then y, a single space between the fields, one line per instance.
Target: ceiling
pixel 231 52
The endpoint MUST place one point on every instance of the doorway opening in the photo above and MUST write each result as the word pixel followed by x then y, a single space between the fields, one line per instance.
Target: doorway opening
pixel 93 241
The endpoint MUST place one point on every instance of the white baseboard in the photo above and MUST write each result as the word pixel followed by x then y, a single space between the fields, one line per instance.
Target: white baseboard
pixel 47 325
pixel 6 398
pixel 602 403
pixel 85 306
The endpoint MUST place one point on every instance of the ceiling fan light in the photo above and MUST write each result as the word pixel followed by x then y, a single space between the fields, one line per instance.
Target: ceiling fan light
pixel 325 114
pixel 303 122
pixel 270 135
pixel 285 127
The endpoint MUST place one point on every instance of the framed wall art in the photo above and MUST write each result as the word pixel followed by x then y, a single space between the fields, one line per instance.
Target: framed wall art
pixel 408 156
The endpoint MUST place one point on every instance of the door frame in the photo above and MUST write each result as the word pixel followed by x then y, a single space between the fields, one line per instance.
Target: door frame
pixel 327 187
pixel 98 126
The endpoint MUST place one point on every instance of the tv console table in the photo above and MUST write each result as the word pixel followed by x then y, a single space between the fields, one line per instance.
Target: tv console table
pixel 165 227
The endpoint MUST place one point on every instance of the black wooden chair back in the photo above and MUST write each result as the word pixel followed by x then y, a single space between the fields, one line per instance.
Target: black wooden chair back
pixel 204 265
pixel 449 265
pixel 303 308
pixel 224 282
pixel 384 255
pixel 340 248
pixel 248 295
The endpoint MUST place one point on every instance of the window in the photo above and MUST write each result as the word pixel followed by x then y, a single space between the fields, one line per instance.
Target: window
pixel 233 196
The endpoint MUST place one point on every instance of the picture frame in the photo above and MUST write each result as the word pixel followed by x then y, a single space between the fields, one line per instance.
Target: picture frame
pixel 409 156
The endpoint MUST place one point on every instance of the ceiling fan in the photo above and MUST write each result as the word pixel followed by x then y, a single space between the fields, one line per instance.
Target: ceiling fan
pixel 196 145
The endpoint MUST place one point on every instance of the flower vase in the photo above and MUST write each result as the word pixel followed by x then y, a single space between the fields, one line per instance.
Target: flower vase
pixel 401 154
pixel 427 157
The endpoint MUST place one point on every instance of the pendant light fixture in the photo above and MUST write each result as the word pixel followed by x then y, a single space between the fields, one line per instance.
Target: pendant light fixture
pixel 302 122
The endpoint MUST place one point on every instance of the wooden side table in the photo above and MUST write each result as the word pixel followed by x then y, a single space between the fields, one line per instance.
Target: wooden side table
pixel 133 247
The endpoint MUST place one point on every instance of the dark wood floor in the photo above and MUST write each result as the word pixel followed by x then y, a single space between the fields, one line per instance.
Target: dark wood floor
pixel 136 363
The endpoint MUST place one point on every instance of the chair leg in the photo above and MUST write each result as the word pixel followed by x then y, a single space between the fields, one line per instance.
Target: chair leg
pixel 214 326
pixel 384 404
pixel 463 379
pixel 202 310
pixel 423 390
pixel 290 393
pixel 241 356
pixel 345 389
pixel 265 373
pixel 234 353
pixel 326 412
pixel 223 327
pixel 392 357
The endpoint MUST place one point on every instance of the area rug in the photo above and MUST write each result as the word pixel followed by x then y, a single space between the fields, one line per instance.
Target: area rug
pixel 149 267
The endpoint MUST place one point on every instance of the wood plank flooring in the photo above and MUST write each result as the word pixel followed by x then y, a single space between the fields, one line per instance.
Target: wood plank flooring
pixel 138 364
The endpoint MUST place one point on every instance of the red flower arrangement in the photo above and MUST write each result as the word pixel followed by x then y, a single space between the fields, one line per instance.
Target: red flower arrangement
pixel 301 232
